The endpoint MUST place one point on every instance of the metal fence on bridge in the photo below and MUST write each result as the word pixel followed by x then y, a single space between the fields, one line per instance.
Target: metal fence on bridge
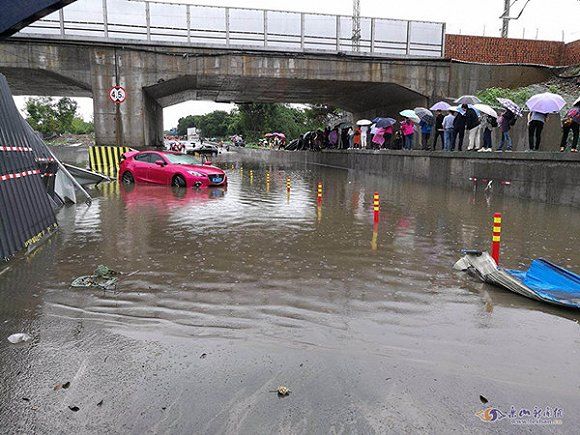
pixel 151 21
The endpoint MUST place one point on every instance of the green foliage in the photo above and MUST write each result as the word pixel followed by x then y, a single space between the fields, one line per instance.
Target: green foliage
pixel 50 116
pixel 253 120
pixel 80 126
pixel 519 96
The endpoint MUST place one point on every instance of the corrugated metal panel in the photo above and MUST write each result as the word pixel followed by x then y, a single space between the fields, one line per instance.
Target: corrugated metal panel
pixel 26 213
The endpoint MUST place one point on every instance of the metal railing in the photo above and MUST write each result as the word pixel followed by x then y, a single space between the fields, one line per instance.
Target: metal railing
pixel 186 24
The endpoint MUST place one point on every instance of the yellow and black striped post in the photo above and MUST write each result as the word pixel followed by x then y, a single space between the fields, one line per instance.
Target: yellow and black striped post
pixel 319 193
pixel 251 176
pixel 496 238
pixel 288 184
pixel 376 206
pixel 267 181
pixel 106 159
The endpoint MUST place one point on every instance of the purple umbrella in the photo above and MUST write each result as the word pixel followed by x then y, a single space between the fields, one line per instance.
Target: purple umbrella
pixel 441 105
pixel 546 103
pixel 511 106
pixel 384 122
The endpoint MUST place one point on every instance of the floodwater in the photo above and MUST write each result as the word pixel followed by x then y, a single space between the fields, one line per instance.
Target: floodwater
pixel 227 295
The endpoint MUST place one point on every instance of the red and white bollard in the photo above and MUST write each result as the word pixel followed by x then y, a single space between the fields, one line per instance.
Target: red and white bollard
pixel 496 238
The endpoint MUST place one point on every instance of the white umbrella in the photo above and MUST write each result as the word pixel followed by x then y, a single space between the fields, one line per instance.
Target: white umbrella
pixel 411 115
pixel 484 108
pixel 546 103
pixel 467 99
pixel 363 122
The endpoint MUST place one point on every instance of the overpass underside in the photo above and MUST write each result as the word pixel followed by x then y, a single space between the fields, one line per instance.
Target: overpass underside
pixel 160 76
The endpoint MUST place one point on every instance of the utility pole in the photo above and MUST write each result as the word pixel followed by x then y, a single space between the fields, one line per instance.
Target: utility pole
pixel 356 32
pixel 506 19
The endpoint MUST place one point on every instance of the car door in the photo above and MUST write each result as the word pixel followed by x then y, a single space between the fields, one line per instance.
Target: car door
pixel 141 167
pixel 158 174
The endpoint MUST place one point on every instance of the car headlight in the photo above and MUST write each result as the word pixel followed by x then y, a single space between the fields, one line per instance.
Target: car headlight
pixel 196 174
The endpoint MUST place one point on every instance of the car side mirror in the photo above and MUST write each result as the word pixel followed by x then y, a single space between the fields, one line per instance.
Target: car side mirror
pixel 207 163
pixel 159 162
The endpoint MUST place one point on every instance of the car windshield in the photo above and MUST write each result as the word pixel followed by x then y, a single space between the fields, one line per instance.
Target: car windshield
pixel 182 159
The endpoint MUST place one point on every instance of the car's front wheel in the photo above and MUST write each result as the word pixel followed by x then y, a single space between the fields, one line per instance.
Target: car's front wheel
pixel 178 181
pixel 127 178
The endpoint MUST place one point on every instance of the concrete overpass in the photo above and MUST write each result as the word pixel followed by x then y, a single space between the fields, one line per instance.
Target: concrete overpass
pixel 164 54
pixel 157 76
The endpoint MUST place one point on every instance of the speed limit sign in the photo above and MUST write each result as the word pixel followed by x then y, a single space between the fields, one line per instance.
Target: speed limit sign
pixel 117 94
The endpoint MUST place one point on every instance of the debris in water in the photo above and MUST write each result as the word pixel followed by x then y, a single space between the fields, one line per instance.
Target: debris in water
pixel 203 355
pixel 104 278
pixel 21 337
pixel 74 408
pixel 100 403
pixel 283 391
pixel 26 399
pixel 59 386
pixel 483 399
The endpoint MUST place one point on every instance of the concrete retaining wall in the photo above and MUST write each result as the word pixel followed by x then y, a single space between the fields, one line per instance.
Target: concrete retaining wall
pixel 553 178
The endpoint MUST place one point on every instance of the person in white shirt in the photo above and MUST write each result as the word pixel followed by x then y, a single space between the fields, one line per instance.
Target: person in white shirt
pixel 448 131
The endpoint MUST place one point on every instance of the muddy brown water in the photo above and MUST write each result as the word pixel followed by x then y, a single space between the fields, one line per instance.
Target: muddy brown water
pixel 228 294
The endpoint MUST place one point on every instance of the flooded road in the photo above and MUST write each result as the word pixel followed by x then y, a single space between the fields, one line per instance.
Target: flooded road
pixel 225 295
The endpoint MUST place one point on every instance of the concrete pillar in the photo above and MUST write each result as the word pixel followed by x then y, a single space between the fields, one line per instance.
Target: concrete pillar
pixel 138 121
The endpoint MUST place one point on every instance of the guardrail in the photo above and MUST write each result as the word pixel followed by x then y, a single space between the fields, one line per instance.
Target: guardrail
pixel 152 21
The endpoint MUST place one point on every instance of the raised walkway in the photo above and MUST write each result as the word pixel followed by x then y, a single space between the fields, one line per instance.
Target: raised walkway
pixel 550 177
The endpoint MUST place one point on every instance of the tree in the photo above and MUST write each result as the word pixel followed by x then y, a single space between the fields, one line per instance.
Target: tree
pixel 55 117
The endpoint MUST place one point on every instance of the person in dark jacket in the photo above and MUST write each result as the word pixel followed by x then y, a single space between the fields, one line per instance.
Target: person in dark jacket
pixel 458 131
pixel 472 125
pixel 506 121
pixel 439 130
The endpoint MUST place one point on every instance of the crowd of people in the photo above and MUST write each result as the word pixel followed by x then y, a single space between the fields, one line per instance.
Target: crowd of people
pixel 461 128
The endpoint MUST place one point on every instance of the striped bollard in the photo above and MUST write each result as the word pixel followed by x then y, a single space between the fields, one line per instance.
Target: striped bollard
pixel 496 238
pixel 251 176
pixel 288 184
pixel 376 206
pixel 319 193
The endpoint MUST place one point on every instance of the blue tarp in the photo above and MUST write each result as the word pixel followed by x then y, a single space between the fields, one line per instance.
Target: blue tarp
pixel 550 282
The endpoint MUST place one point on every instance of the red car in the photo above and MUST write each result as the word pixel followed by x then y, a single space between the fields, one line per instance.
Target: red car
pixel 169 168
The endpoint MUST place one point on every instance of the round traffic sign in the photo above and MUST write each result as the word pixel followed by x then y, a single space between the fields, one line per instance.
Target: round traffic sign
pixel 117 94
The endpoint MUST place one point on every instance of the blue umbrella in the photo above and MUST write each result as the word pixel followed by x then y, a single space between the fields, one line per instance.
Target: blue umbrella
pixel 384 122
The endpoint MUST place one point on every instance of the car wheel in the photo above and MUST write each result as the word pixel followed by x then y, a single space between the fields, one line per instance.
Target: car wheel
pixel 127 178
pixel 178 181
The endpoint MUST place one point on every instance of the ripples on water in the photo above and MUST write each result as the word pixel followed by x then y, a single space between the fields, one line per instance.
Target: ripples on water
pixel 273 265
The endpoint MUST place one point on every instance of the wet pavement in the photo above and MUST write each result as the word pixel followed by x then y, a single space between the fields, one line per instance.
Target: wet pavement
pixel 228 294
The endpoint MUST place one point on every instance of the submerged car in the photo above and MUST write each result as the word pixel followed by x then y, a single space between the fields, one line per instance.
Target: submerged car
pixel 169 168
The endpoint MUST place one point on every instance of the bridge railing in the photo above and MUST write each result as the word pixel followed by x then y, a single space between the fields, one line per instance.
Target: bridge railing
pixel 153 21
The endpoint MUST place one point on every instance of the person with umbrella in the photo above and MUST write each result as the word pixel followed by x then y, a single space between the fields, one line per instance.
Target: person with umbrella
pixel 506 121
pixel 571 122
pixel 448 122
pixel 439 130
pixel 458 129
pixel 536 121
pixel 540 105
pixel 426 129
pixel 407 130
pixel 472 124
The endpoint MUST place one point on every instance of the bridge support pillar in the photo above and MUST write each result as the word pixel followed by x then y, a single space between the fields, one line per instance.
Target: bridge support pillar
pixel 138 121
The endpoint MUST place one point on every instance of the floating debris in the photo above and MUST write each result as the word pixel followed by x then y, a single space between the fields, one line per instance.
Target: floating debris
pixel 74 408
pixel 283 391
pixel 483 399
pixel 59 386
pixel 100 403
pixel 21 337
pixel 104 277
